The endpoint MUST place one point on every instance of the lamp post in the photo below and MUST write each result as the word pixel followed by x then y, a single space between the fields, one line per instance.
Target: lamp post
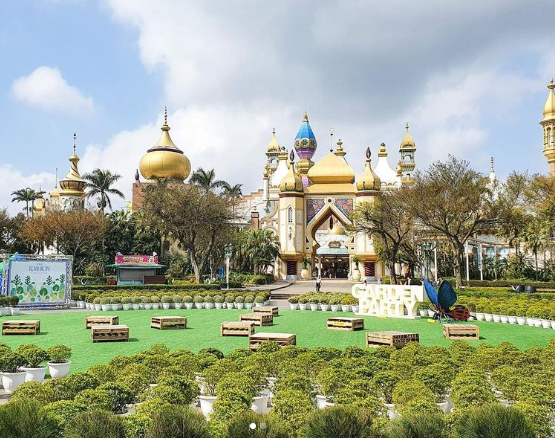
pixel 227 250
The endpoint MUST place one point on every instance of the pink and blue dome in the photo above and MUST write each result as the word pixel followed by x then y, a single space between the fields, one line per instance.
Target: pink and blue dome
pixel 305 141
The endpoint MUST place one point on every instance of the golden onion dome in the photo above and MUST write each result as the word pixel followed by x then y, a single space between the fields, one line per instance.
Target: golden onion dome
pixel 273 146
pixel 368 180
pixel 292 181
pixel 55 193
pixel 73 184
pixel 337 230
pixel 165 159
pixel 331 169
pixel 408 142
pixel 549 107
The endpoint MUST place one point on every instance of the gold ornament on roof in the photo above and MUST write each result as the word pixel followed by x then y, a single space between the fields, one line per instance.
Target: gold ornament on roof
pixel 340 152
pixel 549 107
pixel 73 184
pixel 292 181
pixel 408 144
pixel 331 170
pixel 273 146
pixel 368 180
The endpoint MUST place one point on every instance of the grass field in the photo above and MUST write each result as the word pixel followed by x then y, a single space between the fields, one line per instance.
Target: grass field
pixel 203 331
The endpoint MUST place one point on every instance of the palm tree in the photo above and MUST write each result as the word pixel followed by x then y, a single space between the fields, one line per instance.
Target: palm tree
pixel 206 180
pixel 100 183
pixel 261 248
pixel 232 193
pixel 25 195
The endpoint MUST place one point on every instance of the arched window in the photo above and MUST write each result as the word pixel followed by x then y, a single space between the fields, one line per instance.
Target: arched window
pixel 290 215
pixel 548 136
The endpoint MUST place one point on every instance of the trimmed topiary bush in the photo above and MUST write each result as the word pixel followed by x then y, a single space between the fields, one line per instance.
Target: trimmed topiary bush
pixel 417 426
pixel 338 421
pixel 178 422
pixel 293 407
pixel 25 419
pixel 95 424
pixel 266 426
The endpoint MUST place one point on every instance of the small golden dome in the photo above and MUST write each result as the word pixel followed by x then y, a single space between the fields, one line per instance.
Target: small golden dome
pixel 549 107
pixel 73 184
pixel 165 159
pixel 368 180
pixel 408 142
pixel 337 229
pixel 331 170
pixel 292 181
pixel 273 146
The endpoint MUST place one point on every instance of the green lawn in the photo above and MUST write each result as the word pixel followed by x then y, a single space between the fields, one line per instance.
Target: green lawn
pixel 203 331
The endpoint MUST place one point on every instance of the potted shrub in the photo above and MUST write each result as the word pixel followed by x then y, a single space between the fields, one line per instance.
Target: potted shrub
pixel 147 304
pixel 155 301
pixel 259 301
pixel 314 302
pixel 229 300
pixel 335 303
pixel 126 303
pixel 166 302
pixel 177 301
pixel 346 303
pixel 354 304
pixel 13 301
pixel 305 273
pixel 34 356
pixel 545 313
pixel 59 361
pixel 208 302
pixel 303 301
pixel 520 313
pixel 116 304
pixel 136 303
pixel 96 303
pixel 4 306
pixel 487 313
pixel 11 365
pixel 356 272
pixel 188 301
pixel 106 304
pixel 511 312
pixel 422 309
pixel 495 309
pixel 249 299
pixel 479 312
pixel 218 301
pixel 293 303
pixel 552 318
pixel 199 302
pixel 240 301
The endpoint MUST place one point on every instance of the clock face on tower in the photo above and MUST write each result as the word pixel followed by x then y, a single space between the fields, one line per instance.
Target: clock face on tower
pixel 273 163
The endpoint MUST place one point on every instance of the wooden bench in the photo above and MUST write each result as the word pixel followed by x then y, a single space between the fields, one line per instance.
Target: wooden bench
pixel 105 333
pixel 234 328
pixel 391 338
pixel 467 332
pixel 99 320
pixel 155 279
pixel 265 309
pixel 345 323
pixel 258 319
pixel 168 322
pixel 283 339
pixel 21 327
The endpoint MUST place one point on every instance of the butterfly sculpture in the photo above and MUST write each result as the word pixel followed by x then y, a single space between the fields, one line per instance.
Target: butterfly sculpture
pixel 442 301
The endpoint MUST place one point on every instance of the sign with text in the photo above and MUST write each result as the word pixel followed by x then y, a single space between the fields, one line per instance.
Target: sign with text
pixel 136 260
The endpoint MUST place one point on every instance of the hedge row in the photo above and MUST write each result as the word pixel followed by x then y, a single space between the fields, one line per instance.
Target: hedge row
pixel 90 296
pixel 147 287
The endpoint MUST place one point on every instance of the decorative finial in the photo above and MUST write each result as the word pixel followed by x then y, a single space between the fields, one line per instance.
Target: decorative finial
pixel 551 85
pixel 291 156
pixel 368 153
pixel 305 118
pixel 339 144
pixel 491 159
pixel 137 175
pixel 56 186
pixel 273 131
pixel 165 115
pixel 331 131
pixel 74 142
pixel 407 126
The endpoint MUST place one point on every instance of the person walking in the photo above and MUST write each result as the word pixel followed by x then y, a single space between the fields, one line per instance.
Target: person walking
pixel 318 283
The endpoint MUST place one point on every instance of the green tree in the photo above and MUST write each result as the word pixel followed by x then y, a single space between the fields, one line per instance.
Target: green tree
pixel 25 195
pixel 232 194
pixel 99 183
pixel 206 180
pixel 261 248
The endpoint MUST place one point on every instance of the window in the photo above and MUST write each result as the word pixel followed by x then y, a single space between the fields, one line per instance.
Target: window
pixel 290 215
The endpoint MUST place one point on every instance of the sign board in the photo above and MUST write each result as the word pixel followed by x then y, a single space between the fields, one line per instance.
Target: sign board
pixel 136 260
pixel 38 281
pixel 388 300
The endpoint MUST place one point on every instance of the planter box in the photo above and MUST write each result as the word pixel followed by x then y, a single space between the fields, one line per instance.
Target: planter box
pixel 391 338
pixel 344 323
pixel 106 333
pixel 266 309
pixel 467 332
pixel 258 319
pixel 234 328
pixel 168 322
pixel 283 339
pixel 21 327
pixel 99 320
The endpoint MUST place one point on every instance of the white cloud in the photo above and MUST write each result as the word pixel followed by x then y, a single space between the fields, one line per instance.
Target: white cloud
pixel 13 179
pixel 46 88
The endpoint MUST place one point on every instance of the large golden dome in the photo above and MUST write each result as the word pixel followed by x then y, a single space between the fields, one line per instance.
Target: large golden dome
pixel 165 159
pixel 331 170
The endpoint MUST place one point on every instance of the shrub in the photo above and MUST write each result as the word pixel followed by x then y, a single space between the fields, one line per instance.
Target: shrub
pixel 385 382
pixel 33 354
pixel 406 392
pixel 136 383
pixel 59 353
pixel 11 362
pixel 154 299
pixel 166 299
pixel 187 299
pixel 229 299
pixel 13 300
pixel 24 419
pixel 119 394
pixel 95 399
pixel 293 300
pixel 212 350
pixel 136 300
pixel 259 299
pixel 199 299
pixel 166 393
pixel 493 421
pixel 178 422
pixel 293 407
pixel 208 299
pixel 239 299
pixel 218 299
pixel 417 426
pixel 33 391
pixel 266 426
pixel 151 407
pixel 136 426
pixel 249 299
pixel 102 373
pixel 177 299
pixel 95 424
pixel 189 389
pixel 468 394
pixel 343 421
pixel 63 411
pixel 126 300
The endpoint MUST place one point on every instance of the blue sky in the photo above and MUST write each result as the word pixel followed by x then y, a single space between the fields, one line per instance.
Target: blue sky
pixel 469 77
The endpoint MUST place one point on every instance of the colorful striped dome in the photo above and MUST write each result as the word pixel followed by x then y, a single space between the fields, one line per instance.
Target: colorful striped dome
pixel 305 141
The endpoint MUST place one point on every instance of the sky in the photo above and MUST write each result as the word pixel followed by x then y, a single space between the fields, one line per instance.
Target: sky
pixel 468 76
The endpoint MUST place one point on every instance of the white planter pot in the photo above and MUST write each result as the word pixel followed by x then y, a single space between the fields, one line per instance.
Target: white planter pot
pixel 496 318
pixel 504 319
pixel 521 320
pixel 4 311
pixel 260 404
pixel 106 307
pixel 166 306
pixel 431 313
pixel 114 307
pixel 267 302
pixel 97 307
pixel 488 317
pixel 218 305
pixel 189 305
pixel 208 305
pixel 147 306
pixel 136 306
pixel 553 325
pixel 423 313
pixel 240 305
pixel 321 401
pixel 302 306
pixel 126 306
pixel 34 374
pixel 354 309
pixel 356 275
pixel 59 370
pixel 81 304
pixel 537 322
pixel 313 307
pixel 178 305
pixel 391 412
pixel 207 404
pixel 335 307
pixel 14 311
pixel 324 307
pixel 294 306
pixel 199 305
pixel 248 305
pixel 531 321
pixel 479 316
pixel 546 323
pixel 10 381
pixel 512 319
pixel 345 308
pixel 155 306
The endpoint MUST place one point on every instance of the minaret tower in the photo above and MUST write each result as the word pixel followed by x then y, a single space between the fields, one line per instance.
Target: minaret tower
pixel 72 193
pixel 272 152
pixel 305 146
pixel 548 124
pixel 407 150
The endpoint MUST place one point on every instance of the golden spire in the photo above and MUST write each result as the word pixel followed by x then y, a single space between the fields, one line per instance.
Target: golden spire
pixel 383 151
pixel 273 146
pixel 292 181
pixel 340 152
pixel 549 107
pixel 368 180
pixel 408 143
pixel 73 184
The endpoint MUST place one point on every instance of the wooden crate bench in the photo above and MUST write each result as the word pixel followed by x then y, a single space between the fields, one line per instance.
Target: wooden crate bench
pixel 283 339
pixel 235 328
pixel 104 333
pixel 345 323
pixel 265 309
pixel 392 338
pixel 168 322
pixel 467 332
pixel 21 327
pixel 99 320
pixel 259 319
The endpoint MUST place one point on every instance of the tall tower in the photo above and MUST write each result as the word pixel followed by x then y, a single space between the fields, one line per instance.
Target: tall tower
pixel 305 146
pixel 272 152
pixel 548 124
pixel 407 150
pixel 72 195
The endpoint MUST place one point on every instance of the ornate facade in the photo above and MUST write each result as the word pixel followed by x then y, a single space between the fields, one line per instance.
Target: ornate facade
pixel 548 124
